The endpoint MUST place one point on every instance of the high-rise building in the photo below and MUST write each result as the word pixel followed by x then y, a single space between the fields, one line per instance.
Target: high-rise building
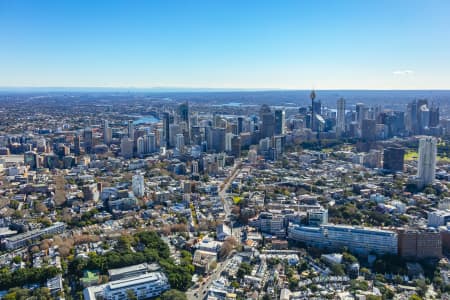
pixel 140 145
pixel 88 140
pixel 240 125
pixel 150 143
pixel 426 168
pixel 313 113
pixel 126 147
pixel 183 111
pixel 107 133
pixel 434 116
pixel 340 117
pixel 236 146
pixel 280 120
pixel 217 140
pixel 166 129
pixel 76 145
pixel 393 159
pixel 138 185
pixel 131 130
pixel 174 130
pixel 267 122
pixel 31 159
pixel 180 141
pixel 368 130
pixel 228 137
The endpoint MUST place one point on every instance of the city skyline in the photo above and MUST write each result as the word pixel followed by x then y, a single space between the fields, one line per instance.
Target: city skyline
pixel 202 45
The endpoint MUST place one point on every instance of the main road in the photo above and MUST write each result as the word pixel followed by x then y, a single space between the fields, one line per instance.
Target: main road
pixel 200 290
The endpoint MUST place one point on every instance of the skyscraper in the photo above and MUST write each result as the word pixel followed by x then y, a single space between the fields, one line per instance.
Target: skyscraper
pixel 340 117
pixel 280 119
pixel 268 122
pixel 183 111
pixel 393 159
pixel 368 130
pixel 107 133
pixel 313 113
pixel 426 167
pixel 240 125
pixel 130 130
pixel 88 140
pixel 166 129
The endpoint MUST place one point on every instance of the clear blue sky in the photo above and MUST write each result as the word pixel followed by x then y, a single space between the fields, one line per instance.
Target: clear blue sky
pixel 335 44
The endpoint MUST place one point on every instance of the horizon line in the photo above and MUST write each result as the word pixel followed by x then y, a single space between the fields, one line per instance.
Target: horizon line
pixel 193 89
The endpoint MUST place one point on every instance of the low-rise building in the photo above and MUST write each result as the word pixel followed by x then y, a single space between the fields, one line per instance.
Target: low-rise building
pixel 144 286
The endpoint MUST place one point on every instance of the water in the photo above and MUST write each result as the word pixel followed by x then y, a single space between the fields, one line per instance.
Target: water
pixel 146 120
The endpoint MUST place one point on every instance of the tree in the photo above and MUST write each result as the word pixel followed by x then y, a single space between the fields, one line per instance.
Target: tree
pixel 131 295
pixel 173 295
pixel 244 269
pixel 227 246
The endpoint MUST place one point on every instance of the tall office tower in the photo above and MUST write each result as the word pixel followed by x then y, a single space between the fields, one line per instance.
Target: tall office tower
pixel 183 111
pixel 107 133
pixel 150 143
pixel 31 159
pixel 174 129
pixel 88 140
pixel 268 121
pixel 280 120
pixel 411 117
pixel 393 159
pixel 131 130
pixel 278 144
pixel 138 185
pixel 360 108
pixel 434 116
pixel 236 146
pixel 426 168
pixel 76 147
pixel 166 129
pixel 317 106
pixel 240 125
pixel 140 146
pixel 228 137
pixel 313 113
pixel 126 147
pixel 218 140
pixel 180 141
pixel 340 117
pixel 368 130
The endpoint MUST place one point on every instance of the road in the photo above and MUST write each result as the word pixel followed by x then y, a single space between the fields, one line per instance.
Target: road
pixel 201 291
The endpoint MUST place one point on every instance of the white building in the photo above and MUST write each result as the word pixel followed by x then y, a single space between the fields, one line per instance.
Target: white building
pixel 426 168
pixel 362 240
pixel 138 185
pixel 340 117
pixel 438 218
pixel 228 138
pixel 317 217
pixel 180 141
pixel 144 286
pixel 140 146
pixel 26 238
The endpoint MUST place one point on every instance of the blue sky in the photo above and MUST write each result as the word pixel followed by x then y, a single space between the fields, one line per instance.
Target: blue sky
pixel 370 44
